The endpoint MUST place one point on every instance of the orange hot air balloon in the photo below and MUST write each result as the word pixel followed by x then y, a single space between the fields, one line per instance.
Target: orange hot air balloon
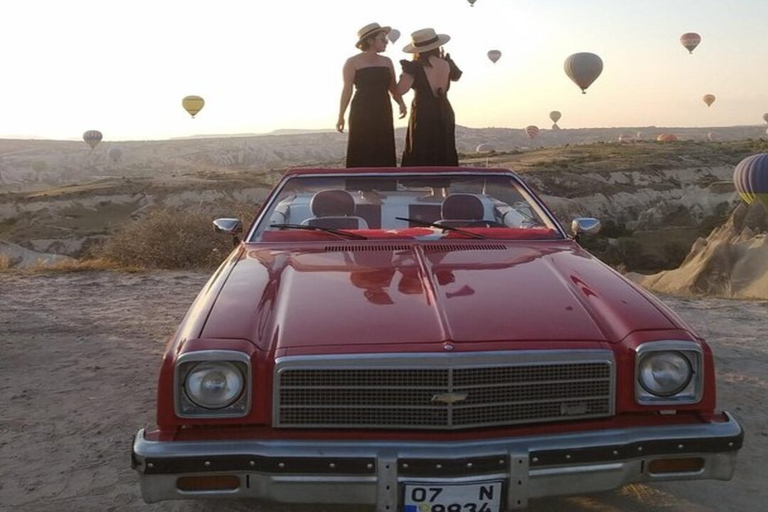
pixel 92 138
pixel 494 55
pixel 690 40
pixel 666 137
pixel 583 68
pixel 709 99
pixel 532 131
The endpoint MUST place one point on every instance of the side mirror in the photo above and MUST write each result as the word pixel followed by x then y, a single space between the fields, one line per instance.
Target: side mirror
pixel 233 227
pixel 585 226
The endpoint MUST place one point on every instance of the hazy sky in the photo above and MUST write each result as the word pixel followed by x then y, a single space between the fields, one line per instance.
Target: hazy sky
pixel 122 66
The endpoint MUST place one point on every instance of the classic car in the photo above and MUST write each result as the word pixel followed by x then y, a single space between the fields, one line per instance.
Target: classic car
pixel 425 339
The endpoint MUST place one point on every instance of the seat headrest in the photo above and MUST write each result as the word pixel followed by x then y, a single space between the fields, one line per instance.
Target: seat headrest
pixel 462 207
pixel 332 203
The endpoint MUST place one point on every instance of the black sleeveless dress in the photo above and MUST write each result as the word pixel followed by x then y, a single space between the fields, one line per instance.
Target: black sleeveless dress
pixel 371 140
pixel 431 137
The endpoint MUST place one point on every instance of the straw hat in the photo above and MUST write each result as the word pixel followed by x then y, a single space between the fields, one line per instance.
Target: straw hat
pixel 426 39
pixel 369 30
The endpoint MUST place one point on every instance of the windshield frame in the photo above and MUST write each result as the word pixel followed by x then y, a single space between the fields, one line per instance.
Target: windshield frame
pixel 269 203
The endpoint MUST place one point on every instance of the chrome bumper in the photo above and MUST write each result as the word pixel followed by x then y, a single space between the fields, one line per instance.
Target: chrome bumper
pixel 373 473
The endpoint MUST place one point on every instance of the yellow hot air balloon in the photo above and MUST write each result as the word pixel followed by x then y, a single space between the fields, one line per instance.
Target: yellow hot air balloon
pixel 583 68
pixel 709 99
pixel 193 104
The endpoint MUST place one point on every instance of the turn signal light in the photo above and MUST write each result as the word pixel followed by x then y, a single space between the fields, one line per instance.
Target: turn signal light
pixel 208 483
pixel 689 465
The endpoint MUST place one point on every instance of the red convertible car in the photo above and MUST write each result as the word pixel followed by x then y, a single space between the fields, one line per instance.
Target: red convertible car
pixel 426 339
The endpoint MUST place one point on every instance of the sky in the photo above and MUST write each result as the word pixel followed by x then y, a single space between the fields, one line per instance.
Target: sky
pixel 123 66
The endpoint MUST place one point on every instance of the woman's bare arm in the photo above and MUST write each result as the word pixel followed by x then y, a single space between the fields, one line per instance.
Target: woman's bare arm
pixel 394 90
pixel 346 93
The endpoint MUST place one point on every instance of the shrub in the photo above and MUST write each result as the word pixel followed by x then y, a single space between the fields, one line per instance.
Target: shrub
pixel 169 238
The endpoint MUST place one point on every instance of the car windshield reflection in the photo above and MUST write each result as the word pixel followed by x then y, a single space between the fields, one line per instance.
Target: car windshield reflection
pixel 430 206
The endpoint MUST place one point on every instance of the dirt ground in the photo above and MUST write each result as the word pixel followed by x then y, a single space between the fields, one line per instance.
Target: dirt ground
pixel 79 355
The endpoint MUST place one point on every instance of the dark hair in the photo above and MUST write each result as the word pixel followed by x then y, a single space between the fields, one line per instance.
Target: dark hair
pixel 368 41
pixel 423 57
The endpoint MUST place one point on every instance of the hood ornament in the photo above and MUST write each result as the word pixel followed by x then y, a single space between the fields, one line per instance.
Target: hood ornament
pixel 450 398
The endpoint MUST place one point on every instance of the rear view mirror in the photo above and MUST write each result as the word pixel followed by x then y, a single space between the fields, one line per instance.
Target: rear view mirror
pixel 585 226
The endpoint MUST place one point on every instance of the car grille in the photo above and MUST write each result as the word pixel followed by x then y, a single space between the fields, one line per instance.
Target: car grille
pixel 442 391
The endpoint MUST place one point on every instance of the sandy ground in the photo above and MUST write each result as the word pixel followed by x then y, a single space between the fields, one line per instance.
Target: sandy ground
pixel 79 356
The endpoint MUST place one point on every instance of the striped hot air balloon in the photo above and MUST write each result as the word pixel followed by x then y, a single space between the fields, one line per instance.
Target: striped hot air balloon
pixel 690 40
pixel 751 178
pixel 532 131
pixel 193 104
pixel 92 138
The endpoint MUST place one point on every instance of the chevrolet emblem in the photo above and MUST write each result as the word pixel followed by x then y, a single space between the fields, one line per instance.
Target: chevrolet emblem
pixel 449 398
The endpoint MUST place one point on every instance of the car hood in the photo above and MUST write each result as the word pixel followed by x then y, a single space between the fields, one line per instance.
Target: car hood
pixel 369 294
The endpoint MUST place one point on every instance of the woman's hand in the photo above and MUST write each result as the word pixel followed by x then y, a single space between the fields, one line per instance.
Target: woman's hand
pixel 403 110
pixel 340 124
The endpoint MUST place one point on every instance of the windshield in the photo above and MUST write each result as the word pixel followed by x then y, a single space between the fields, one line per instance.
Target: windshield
pixel 431 206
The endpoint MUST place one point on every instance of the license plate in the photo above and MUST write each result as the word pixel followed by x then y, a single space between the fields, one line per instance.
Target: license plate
pixel 474 497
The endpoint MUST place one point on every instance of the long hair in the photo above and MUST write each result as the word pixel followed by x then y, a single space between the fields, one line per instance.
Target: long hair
pixel 423 57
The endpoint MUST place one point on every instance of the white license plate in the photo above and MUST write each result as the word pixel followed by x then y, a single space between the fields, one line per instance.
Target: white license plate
pixel 474 497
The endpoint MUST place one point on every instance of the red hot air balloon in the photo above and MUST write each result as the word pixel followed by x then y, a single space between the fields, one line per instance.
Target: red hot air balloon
pixel 666 137
pixel 532 131
pixel 690 40
pixel 751 178
pixel 583 68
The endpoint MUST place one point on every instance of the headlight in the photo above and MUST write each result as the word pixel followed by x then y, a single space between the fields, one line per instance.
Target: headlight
pixel 664 374
pixel 214 385
pixel 669 372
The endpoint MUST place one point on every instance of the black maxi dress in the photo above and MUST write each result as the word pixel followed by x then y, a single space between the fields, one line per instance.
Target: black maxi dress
pixel 371 140
pixel 431 137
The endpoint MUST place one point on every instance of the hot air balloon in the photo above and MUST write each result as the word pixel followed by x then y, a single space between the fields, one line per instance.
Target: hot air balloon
pixel 709 99
pixel 712 136
pixel 115 154
pixel 666 137
pixel 471 2
pixel 494 55
pixel 639 135
pixel 193 104
pixel 690 40
pixel 765 118
pixel 583 68
pixel 625 138
pixel 555 116
pixel 751 178
pixel 555 127
pixel 393 35
pixel 531 131
pixel 92 138
pixel 484 148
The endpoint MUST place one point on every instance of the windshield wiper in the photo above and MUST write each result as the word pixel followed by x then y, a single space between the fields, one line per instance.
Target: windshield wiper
pixel 339 233
pixel 445 228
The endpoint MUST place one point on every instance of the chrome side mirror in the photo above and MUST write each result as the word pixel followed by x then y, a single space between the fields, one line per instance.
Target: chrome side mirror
pixel 233 227
pixel 585 226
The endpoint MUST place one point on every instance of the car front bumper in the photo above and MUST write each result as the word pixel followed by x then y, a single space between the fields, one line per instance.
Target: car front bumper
pixel 374 473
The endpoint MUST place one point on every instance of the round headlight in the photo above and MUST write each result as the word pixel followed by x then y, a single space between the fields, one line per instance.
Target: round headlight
pixel 664 373
pixel 214 385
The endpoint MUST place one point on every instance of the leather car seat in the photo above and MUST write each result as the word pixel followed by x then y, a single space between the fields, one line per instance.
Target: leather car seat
pixel 334 209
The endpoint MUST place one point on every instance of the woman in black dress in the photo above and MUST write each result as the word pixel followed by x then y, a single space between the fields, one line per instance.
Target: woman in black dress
pixel 431 137
pixel 371 140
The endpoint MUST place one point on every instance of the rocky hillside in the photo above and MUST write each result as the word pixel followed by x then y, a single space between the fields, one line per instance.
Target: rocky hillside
pixel 57 197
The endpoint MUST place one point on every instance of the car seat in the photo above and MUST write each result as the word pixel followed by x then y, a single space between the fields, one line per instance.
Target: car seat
pixel 334 209
pixel 462 210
